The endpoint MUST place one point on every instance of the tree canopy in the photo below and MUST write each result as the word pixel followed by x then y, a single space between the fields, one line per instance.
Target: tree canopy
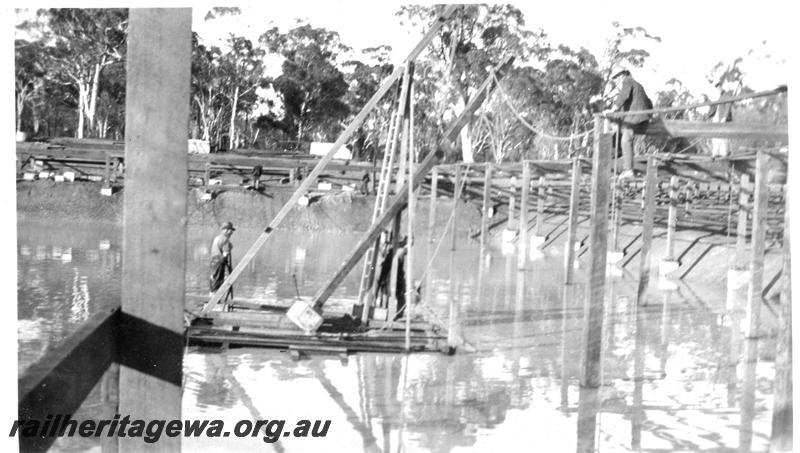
pixel 290 87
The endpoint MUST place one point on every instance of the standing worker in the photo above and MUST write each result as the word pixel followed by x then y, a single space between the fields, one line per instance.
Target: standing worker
pixel 721 113
pixel 257 171
pixel 631 97
pixel 221 248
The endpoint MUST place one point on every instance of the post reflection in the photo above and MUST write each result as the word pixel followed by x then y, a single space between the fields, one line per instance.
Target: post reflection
pixel 526 328
pixel 637 411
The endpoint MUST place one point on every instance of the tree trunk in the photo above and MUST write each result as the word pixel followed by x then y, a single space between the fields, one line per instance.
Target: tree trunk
pixel 91 104
pixel 232 132
pixel 81 103
pixel 36 120
pixel 20 106
pixel 300 122
pixel 466 145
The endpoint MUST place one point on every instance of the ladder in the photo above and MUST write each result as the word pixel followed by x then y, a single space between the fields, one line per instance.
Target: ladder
pixel 384 183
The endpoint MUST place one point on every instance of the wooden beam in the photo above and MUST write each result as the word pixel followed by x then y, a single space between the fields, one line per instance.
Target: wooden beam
pixel 676 128
pixel 522 249
pixel 399 201
pixel 395 206
pixel 432 205
pixel 649 201
pixel 456 192
pixel 540 205
pixel 311 177
pixel 741 226
pixel 683 108
pixel 154 219
pixel 404 118
pixel 754 299
pixel 781 439
pixel 672 217
pixel 60 381
pixel 574 201
pixel 598 247
pixel 480 95
pixel 487 192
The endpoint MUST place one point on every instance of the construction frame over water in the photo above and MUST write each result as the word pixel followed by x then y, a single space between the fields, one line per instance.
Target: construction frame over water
pixel 147 335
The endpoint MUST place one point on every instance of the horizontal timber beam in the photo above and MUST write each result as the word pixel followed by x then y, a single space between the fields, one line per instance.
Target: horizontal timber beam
pixel 675 128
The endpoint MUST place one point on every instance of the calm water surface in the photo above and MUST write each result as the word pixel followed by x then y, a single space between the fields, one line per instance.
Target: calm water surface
pixel 671 369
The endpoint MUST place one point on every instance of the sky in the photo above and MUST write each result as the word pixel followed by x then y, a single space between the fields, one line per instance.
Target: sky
pixel 695 35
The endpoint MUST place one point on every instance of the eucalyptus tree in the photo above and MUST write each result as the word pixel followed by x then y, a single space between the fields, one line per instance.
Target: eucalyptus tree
pixel 243 67
pixel 363 80
pixel 80 45
pixel 28 77
pixel 310 86
pixel 476 38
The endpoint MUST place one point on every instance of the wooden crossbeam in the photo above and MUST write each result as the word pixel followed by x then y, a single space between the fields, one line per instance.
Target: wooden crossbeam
pixel 311 177
pixel 681 108
pixel 60 381
pixel 675 128
pixel 399 201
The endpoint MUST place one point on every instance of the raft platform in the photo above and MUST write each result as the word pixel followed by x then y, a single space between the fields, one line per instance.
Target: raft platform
pixel 256 324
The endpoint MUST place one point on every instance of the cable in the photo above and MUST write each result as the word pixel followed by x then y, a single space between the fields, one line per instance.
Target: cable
pixel 679 108
pixel 533 129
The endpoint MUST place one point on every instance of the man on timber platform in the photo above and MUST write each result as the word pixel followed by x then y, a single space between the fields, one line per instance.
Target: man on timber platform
pixel 631 97
pixel 722 113
pixel 221 248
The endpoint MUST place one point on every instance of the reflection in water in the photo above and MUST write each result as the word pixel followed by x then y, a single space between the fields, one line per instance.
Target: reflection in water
pixel 669 377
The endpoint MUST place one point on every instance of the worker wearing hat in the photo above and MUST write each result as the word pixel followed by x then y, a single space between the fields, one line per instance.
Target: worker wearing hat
pixel 631 98
pixel 221 248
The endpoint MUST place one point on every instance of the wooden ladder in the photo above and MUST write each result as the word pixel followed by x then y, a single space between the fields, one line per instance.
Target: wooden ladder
pixel 384 183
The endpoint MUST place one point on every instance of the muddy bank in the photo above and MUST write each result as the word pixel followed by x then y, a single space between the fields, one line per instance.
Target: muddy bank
pixel 335 211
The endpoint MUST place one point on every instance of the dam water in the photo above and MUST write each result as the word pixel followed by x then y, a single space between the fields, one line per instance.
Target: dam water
pixel 671 369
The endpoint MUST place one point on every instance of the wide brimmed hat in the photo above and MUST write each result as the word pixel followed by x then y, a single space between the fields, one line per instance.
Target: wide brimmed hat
pixel 228 226
pixel 621 73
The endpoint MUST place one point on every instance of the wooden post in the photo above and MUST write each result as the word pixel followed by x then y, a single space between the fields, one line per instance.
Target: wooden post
pixel 650 188
pixel 456 195
pixel 453 334
pixel 574 200
pixel 782 410
pixel 487 194
pixel 590 373
pixel 598 245
pixel 523 216
pixel 672 217
pixel 566 298
pixel 754 302
pixel 637 411
pixel 154 232
pixel 453 309
pixel 588 407
pixel 432 205
pixel 412 203
pixel 511 208
pixel 616 210
pixel 107 170
pixel 397 203
pixel 540 206
pixel 115 169
pixel 404 120
pixel 309 179
pixel 741 226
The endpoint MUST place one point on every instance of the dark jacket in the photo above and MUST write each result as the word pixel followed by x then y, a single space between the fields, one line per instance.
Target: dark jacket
pixel 722 113
pixel 632 97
